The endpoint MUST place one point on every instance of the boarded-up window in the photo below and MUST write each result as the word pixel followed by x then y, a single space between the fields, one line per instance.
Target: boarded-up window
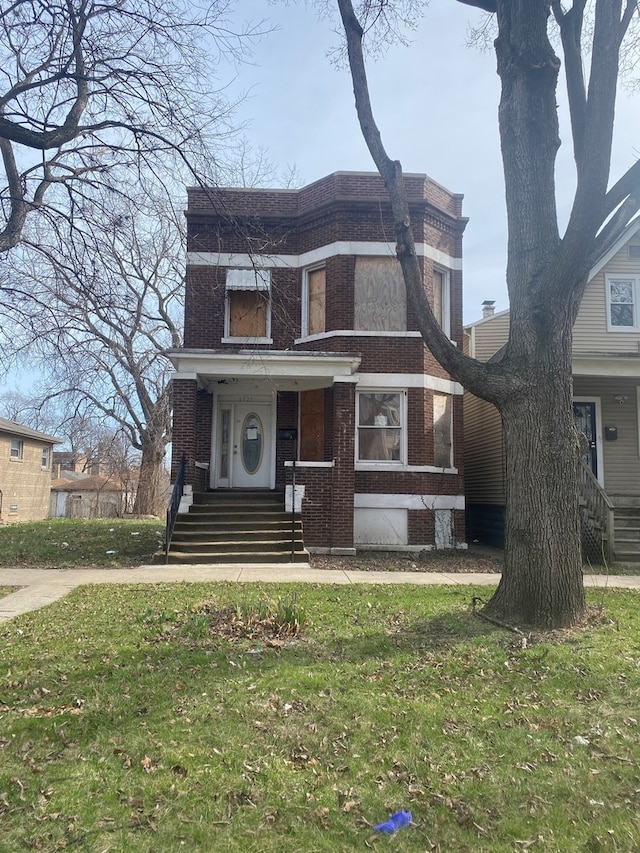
pixel 248 301
pixel 248 313
pixel 380 303
pixel 442 430
pixel 312 425
pixel 438 291
pixel 317 300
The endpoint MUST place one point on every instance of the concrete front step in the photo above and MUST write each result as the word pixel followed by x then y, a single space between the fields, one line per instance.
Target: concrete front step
pixel 260 545
pixel 274 520
pixel 235 527
pixel 191 558
pixel 627 532
pixel 237 519
pixel 248 536
pixel 212 500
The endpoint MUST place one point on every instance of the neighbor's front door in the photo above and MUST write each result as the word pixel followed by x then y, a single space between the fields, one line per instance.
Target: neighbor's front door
pixel 584 415
pixel 244 431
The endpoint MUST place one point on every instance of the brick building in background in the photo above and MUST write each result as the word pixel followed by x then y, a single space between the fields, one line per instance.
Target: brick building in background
pixel 299 345
pixel 25 472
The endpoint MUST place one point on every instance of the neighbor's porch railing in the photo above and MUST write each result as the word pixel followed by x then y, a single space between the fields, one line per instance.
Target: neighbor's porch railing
pixel 174 505
pixel 599 508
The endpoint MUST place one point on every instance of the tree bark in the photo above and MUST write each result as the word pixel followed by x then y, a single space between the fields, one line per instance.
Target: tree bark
pixel 542 582
pixel 149 498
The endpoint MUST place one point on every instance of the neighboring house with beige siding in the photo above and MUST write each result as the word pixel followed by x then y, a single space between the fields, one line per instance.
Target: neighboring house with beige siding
pixel 25 472
pixel 606 386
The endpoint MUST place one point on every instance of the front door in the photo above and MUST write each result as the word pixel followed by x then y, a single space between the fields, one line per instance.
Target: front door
pixel 244 446
pixel 584 415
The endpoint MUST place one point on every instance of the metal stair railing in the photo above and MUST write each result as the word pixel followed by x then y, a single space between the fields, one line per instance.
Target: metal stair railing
pixel 599 507
pixel 174 505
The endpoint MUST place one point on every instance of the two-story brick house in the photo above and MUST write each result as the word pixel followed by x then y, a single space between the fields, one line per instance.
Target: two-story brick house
pixel 606 407
pixel 299 345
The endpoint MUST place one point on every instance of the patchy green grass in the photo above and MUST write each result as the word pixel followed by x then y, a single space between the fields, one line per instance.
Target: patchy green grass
pixel 6 590
pixel 67 542
pixel 138 718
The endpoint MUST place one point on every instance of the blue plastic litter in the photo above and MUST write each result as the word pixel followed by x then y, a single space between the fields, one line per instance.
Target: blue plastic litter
pixel 395 822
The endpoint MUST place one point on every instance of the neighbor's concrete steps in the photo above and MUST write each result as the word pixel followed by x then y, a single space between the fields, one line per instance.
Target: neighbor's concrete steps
pixel 627 534
pixel 236 527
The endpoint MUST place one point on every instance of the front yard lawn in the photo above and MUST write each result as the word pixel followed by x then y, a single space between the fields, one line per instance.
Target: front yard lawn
pixel 89 542
pixel 172 717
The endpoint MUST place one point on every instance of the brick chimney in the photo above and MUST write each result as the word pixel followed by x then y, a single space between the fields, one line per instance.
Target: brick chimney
pixel 488 308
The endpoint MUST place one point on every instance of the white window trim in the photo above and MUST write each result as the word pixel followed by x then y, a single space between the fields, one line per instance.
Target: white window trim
pixel 250 280
pixel 446 298
pixel 304 320
pixel 636 292
pixel 46 450
pixel 20 456
pixel 377 465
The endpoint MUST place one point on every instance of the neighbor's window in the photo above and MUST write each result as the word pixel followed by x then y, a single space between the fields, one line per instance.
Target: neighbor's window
pixel 248 305
pixel 380 426
pixel 621 298
pixel 316 301
pixel 442 431
pixel 17 448
pixel 46 457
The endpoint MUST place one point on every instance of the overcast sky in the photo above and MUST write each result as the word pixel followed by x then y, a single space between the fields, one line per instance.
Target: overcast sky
pixel 436 106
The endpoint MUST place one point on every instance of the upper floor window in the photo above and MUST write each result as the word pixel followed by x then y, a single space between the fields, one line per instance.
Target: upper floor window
pixel 442 299
pixel 442 431
pixel 380 301
pixel 634 251
pixel 621 303
pixel 17 448
pixel 248 306
pixel 46 457
pixel 314 301
pixel 381 422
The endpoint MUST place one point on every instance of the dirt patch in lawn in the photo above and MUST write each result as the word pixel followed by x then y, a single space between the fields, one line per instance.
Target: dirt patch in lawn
pixel 483 560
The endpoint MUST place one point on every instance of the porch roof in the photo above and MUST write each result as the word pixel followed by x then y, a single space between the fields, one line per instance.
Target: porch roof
pixel 620 364
pixel 282 370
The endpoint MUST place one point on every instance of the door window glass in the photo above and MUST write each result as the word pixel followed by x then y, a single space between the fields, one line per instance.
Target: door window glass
pixel 224 443
pixel 252 442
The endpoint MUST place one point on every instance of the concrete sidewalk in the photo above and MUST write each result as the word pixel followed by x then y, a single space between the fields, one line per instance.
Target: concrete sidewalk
pixel 39 587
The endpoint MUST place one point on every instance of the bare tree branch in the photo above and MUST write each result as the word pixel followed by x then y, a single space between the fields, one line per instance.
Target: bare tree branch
pixel 112 306
pixel 467 370
pixel 91 89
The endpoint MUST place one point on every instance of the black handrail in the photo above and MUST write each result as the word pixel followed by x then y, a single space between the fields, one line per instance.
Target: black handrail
pixel 174 505
pixel 293 509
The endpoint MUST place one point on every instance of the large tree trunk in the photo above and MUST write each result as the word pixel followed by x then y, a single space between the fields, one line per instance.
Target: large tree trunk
pixel 531 385
pixel 149 498
pixel 542 581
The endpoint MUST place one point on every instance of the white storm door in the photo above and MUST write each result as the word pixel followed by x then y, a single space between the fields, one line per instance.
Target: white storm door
pixel 251 451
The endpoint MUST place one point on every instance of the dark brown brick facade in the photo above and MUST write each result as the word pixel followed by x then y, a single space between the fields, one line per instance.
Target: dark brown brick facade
pixel 345 208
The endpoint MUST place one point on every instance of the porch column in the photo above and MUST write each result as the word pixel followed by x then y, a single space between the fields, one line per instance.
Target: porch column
pixel 183 437
pixel 344 478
